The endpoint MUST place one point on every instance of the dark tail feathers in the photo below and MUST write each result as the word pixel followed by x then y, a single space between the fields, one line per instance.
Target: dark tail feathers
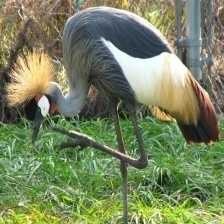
pixel 206 129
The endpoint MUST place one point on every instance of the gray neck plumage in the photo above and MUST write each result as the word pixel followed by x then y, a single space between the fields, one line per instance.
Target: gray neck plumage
pixel 70 104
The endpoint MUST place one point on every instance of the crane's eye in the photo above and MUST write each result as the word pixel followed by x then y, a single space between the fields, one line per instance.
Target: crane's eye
pixel 44 105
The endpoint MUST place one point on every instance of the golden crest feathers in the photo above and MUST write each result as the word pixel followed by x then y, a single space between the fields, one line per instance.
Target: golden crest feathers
pixel 30 78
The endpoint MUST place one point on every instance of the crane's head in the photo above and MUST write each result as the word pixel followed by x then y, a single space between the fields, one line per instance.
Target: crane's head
pixel 31 85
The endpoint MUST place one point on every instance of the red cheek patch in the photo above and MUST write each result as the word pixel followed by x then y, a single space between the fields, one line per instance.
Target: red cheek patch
pixel 37 97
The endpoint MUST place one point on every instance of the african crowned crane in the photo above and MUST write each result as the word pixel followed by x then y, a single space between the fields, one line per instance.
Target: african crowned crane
pixel 127 59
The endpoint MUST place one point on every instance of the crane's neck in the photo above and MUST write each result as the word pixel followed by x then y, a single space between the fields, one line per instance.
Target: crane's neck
pixel 70 104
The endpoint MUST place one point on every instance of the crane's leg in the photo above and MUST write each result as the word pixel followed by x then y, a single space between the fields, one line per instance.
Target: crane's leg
pixel 123 166
pixel 137 131
pixel 77 139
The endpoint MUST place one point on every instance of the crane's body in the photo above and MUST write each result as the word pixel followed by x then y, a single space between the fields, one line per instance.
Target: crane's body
pixel 146 79
pixel 128 59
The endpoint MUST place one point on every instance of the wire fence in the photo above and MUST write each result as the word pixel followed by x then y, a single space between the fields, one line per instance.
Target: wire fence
pixel 213 50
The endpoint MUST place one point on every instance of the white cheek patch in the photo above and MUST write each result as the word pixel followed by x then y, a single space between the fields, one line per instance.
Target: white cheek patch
pixel 44 105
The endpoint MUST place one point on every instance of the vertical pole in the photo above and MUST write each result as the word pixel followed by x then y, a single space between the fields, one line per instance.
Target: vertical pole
pixel 193 19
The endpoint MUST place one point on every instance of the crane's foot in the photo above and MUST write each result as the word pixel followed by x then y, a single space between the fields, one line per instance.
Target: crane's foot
pixel 77 143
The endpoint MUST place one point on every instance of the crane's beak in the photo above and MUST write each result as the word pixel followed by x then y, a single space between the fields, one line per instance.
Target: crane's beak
pixel 36 124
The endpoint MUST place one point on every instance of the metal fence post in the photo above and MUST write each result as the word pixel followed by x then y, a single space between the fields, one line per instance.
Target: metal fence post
pixel 193 20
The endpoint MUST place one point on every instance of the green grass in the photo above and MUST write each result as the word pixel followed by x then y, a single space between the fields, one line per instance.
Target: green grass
pixel 43 184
